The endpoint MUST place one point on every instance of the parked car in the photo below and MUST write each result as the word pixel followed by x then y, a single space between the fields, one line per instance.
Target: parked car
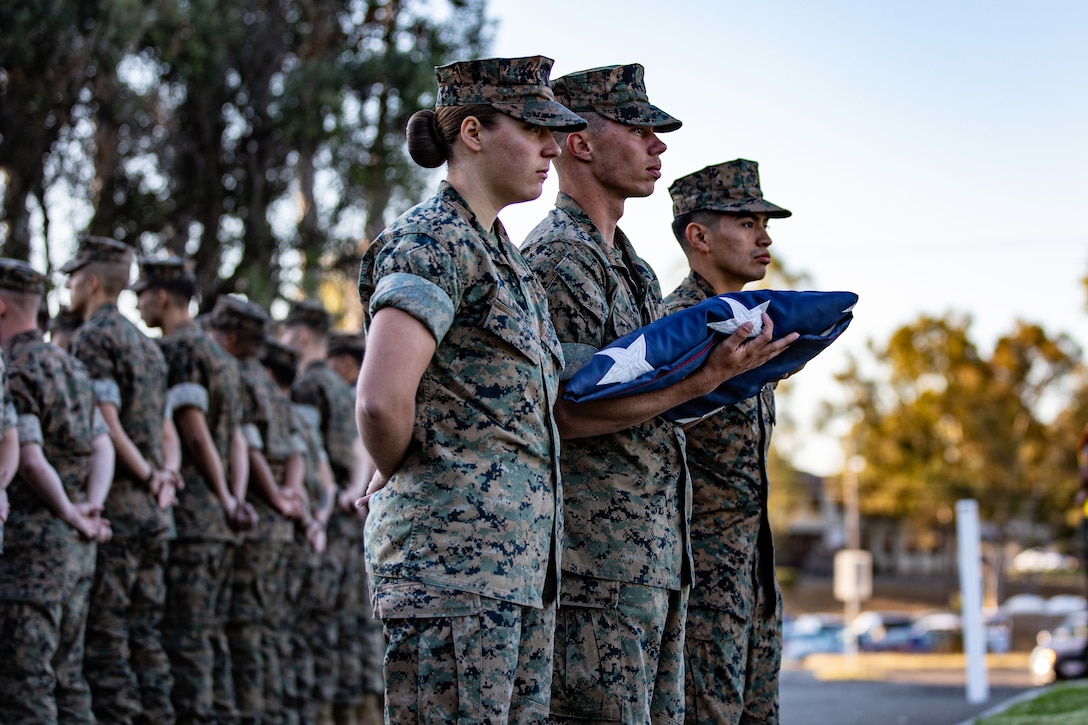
pixel 811 634
pixel 1060 654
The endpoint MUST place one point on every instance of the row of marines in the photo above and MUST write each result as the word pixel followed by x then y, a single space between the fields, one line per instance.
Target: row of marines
pixel 181 541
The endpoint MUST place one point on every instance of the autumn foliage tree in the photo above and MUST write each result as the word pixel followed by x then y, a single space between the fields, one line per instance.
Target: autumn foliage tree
pixel 937 420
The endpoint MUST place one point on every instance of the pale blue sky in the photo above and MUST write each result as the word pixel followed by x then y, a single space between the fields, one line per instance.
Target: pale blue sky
pixel 934 153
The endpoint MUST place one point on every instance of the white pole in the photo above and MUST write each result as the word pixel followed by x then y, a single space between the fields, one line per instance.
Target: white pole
pixel 974 636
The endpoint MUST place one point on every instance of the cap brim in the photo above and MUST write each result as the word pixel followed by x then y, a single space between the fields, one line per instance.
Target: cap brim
pixel 139 285
pixel 549 114
pixel 759 206
pixel 72 266
pixel 643 114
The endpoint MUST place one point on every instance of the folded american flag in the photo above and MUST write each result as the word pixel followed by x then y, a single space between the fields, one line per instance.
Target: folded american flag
pixel 662 353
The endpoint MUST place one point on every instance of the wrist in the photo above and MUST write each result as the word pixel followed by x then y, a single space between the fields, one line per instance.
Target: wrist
pixel 146 480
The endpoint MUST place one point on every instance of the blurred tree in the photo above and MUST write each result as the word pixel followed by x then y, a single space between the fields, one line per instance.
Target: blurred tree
pixel 264 139
pixel 941 422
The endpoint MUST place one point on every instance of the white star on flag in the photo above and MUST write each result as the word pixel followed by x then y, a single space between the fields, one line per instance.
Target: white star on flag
pixel 630 362
pixel 741 314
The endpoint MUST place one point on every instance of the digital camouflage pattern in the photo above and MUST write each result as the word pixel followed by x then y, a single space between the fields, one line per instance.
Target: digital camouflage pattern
pixel 300 679
pixel 729 187
pixel 627 496
pixel 319 387
pixel 274 435
pixel 8 421
pixel 516 86
pixel 128 372
pixel 18 276
pixel 460 645
pixel 198 576
pixel 173 274
pixel 256 629
pixel 46 570
pixel 628 493
pixel 341 615
pixel 309 313
pixel 98 250
pixel 202 374
pixel 198 585
pixel 617 92
pixel 734 647
pixel 619 653
pixel 475 504
pixel 244 317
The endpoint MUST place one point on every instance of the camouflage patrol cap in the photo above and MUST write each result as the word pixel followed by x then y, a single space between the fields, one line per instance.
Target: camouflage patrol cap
pixel 278 355
pixel 516 86
pixel 18 276
pixel 173 274
pixel 729 187
pixel 102 250
pixel 346 343
pixel 617 92
pixel 309 313
pixel 234 314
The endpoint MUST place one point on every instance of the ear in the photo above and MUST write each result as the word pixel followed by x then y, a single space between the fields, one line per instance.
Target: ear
pixel 696 235
pixel 470 133
pixel 578 146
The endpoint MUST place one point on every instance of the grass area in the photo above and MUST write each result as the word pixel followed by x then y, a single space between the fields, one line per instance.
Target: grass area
pixel 1063 704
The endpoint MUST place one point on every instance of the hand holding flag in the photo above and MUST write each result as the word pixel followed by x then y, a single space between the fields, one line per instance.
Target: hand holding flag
pixel 664 352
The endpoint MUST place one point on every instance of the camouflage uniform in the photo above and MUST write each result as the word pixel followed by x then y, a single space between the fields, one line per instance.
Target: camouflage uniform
pixel 628 498
pixel 127 668
pixel 625 556
pixel 362 643
pixel 342 672
pixel 461 544
pixel 733 650
pixel 8 420
pixel 259 605
pixel 300 701
pixel 47 568
pixel 202 375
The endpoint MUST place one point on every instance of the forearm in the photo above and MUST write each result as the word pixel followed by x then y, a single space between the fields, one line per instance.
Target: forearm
pixel 9 456
pixel 171 446
pixel 260 475
pixel 323 511
pixel 239 465
pixel 126 453
pixel 43 480
pixel 386 436
pixel 362 468
pixel 610 415
pixel 197 440
pixel 101 474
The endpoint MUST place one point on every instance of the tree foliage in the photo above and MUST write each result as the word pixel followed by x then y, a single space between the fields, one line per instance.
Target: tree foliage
pixel 939 421
pixel 263 139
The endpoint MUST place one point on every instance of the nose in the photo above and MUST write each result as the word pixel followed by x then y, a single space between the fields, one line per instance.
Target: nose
pixel 551 148
pixel 657 146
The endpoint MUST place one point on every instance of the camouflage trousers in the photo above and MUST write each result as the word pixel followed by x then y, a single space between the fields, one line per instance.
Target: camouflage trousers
pixel 193 629
pixel 256 629
pixel 299 707
pixel 732 665
pixel 41 650
pixel 318 628
pixel 619 653
pixel 125 663
pixel 455 657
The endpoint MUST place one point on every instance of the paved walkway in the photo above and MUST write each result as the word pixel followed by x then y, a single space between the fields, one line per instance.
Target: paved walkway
pixel 893 689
